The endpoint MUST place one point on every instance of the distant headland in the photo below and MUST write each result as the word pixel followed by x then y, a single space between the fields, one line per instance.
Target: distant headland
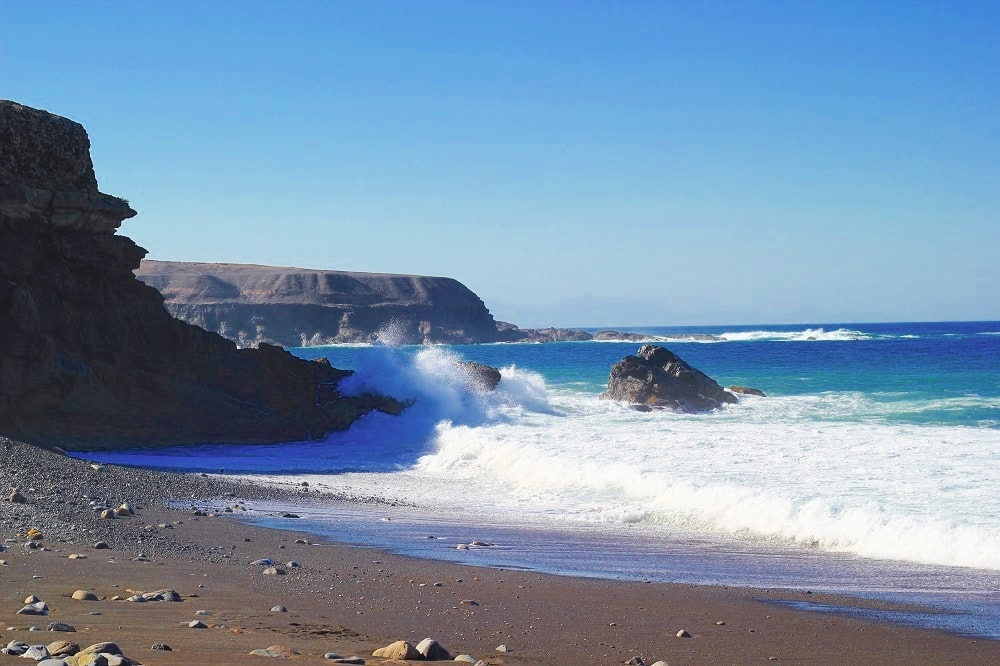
pixel 299 307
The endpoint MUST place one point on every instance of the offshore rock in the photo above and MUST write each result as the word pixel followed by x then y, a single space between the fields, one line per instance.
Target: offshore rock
pixel 747 390
pixel 656 377
pixel 480 375
pixel 296 307
pixel 89 357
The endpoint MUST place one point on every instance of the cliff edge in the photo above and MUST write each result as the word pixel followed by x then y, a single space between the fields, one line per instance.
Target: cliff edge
pixel 295 307
pixel 89 357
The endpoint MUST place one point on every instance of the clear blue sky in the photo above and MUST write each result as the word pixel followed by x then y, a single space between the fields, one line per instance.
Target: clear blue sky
pixel 574 163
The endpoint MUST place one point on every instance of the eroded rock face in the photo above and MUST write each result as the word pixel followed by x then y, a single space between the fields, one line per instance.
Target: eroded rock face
pixel 89 357
pixel 658 378
pixel 296 307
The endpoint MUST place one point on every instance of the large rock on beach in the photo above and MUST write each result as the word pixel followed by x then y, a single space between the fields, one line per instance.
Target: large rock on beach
pixel 89 357
pixel 657 378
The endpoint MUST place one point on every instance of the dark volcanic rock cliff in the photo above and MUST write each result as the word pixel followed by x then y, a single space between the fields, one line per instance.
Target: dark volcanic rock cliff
pixel 89 357
pixel 297 307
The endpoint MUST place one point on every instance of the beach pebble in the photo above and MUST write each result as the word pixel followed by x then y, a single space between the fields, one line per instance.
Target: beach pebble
pixel 62 648
pixel 290 515
pixel 279 609
pixel 203 613
pixel 636 661
pixel 403 650
pixel 660 663
pixel 36 652
pixel 76 556
pixel 16 497
pixel 107 514
pixel 197 624
pixel 502 648
pixel 52 661
pixel 432 650
pixel 683 633
pixel 293 564
pixel 348 660
pixel 469 602
pixel 161 646
pixel 263 562
pixel 332 655
pixel 163 595
pixel 38 608
pixel 273 571
pixel 31 599
pixel 303 541
pixel 101 545
pixel 278 651
pixel 720 623
pixel 60 626
pixel 466 659
pixel 462 546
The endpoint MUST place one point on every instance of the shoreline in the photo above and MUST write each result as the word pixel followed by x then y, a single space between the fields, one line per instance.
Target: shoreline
pixel 350 599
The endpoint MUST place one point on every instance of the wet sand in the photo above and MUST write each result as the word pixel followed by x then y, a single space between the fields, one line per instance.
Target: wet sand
pixel 350 601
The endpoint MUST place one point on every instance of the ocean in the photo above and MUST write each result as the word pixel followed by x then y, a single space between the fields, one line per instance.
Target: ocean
pixel 872 467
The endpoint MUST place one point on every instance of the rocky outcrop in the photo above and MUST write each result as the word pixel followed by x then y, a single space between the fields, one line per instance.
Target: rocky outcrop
pixel 296 307
pixel 658 378
pixel 746 390
pixel 89 357
pixel 480 375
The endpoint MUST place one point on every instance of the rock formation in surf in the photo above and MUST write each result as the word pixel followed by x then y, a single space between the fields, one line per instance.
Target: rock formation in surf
pixel 89 357
pixel 658 378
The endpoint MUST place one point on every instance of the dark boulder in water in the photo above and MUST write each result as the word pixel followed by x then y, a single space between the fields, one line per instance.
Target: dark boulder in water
pixel 658 378
pixel 747 390
pixel 480 375
pixel 89 357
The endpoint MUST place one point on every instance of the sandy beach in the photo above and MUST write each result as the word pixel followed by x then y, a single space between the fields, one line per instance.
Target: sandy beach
pixel 347 601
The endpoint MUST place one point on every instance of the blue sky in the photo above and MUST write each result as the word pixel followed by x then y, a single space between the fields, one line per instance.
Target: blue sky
pixel 573 163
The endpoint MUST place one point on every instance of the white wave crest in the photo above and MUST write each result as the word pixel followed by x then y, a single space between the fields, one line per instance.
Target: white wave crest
pixel 806 335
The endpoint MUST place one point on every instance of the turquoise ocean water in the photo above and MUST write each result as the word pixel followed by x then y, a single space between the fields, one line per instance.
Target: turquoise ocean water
pixel 872 467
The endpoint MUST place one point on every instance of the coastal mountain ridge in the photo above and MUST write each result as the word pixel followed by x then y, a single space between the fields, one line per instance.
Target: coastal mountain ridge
pixel 253 304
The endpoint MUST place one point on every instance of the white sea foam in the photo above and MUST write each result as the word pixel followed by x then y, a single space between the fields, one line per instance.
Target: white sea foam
pixel 828 471
pixel 806 335
pixel 790 470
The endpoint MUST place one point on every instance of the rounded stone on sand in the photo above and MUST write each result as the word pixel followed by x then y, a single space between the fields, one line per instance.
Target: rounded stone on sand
pixel 431 650
pixel 278 651
pixel 683 633
pixel 61 626
pixel 197 624
pixel 403 650
pixel 84 595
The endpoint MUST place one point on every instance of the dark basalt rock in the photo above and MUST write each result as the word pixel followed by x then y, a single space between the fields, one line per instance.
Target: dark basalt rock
pixel 481 375
pixel 746 390
pixel 89 357
pixel 657 378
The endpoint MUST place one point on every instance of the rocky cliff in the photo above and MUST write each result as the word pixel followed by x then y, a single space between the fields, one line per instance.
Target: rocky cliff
pixel 89 357
pixel 296 307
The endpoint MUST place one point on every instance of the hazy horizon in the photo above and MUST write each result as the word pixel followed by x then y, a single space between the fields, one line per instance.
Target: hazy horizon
pixel 568 162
